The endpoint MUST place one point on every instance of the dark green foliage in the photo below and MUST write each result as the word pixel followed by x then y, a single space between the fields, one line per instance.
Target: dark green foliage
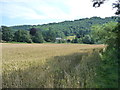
pixel 61 41
pixel 79 28
pixel 78 35
pixel 87 40
pixel 33 31
pixel 60 34
pixel 68 28
pixel 0 34
pixel 75 40
pixel 107 73
pixel 104 33
pixel 22 36
pixel 68 41
pixel 38 38
pixel 50 35
pixel 21 27
pixel 7 34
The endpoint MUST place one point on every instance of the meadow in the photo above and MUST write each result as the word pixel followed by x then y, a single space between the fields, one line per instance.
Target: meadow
pixel 49 65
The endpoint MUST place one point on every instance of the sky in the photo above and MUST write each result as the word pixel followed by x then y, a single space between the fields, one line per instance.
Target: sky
pixel 34 12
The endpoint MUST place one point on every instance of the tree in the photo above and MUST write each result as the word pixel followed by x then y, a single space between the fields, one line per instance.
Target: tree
pixel 68 40
pixel 50 35
pixel 38 38
pixel 102 33
pixel 0 34
pixel 7 34
pixel 22 36
pixel 59 34
pixel 33 31
pixel 87 39
pixel 107 72
pixel 78 35
pixel 75 40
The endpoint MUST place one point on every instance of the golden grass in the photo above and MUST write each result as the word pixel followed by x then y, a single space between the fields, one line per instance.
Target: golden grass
pixel 39 65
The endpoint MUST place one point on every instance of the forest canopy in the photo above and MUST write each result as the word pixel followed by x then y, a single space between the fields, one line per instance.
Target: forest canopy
pixel 80 30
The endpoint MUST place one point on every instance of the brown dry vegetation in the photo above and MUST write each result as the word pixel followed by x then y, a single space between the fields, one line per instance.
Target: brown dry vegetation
pixel 49 65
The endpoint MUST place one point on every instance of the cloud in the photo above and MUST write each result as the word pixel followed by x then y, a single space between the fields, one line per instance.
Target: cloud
pixel 19 11
pixel 53 9
pixel 84 9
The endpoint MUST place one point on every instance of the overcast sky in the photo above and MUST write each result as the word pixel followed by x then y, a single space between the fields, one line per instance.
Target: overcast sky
pixel 20 12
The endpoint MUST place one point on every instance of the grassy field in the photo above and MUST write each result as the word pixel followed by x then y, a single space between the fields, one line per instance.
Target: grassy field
pixel 49 65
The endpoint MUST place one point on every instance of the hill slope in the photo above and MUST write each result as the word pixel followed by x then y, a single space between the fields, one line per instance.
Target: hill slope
pixel 69 27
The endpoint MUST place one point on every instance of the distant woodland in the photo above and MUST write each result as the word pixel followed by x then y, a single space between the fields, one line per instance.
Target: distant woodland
pixel 80 30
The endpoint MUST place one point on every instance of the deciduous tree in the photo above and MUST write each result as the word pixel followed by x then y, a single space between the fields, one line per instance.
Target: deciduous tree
pixel 22 36
pixel 38 38
pixel 7 34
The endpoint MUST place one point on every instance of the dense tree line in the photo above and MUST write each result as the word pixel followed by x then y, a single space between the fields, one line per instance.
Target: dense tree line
pixel 33 35
pixel 49 32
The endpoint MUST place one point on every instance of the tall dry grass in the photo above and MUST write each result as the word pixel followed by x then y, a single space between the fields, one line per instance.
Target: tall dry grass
pixel 49 65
